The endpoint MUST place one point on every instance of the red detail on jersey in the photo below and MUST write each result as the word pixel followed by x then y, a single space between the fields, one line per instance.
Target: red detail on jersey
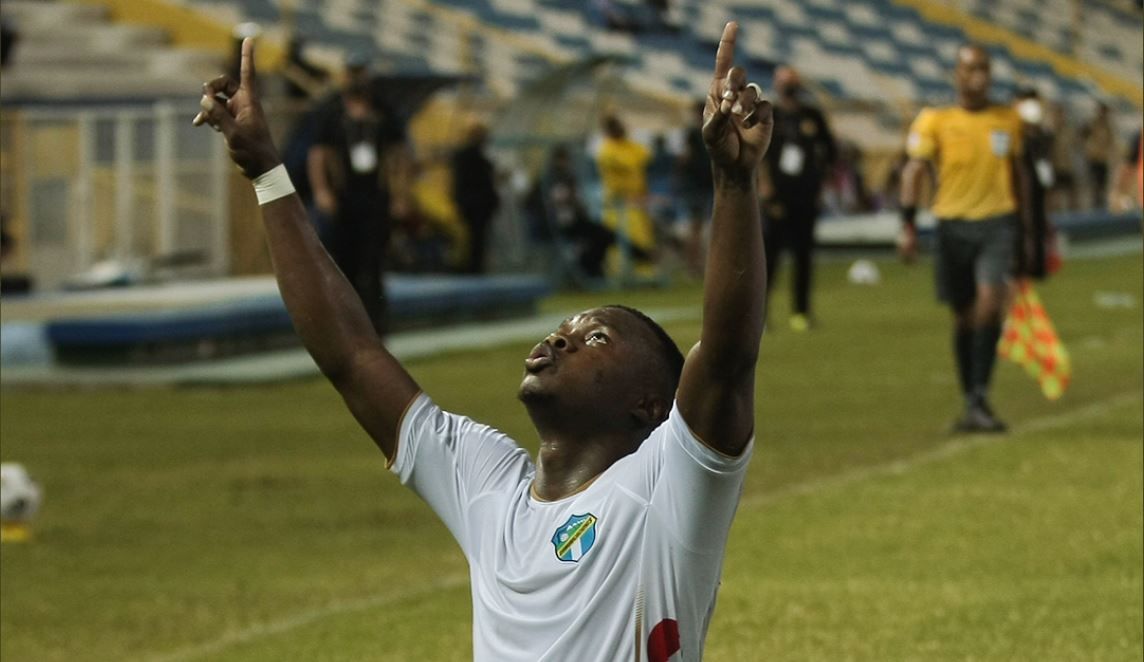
pixel 663 642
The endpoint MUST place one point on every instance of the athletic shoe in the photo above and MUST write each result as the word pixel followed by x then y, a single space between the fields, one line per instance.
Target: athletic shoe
pixel 979 418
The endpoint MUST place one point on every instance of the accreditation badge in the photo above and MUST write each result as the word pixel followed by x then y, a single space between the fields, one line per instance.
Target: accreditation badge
pixel 791 160
pixel 363 157
pixel 1000 141
pixel 1045 173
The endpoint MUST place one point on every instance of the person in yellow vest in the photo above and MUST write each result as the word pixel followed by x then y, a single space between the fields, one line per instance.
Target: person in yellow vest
pixel 622 163
pixel 974 147
pixel 1128 188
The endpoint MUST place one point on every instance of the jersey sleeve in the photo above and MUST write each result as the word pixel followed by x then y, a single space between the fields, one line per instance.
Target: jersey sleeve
pixel 693 489
pixel 450 460
pixel 922 140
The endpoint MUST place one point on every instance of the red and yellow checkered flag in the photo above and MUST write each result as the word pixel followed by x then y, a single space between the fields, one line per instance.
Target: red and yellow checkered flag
pixel 1029 340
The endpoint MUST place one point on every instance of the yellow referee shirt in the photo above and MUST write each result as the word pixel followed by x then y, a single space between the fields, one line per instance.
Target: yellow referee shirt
pixel 973 151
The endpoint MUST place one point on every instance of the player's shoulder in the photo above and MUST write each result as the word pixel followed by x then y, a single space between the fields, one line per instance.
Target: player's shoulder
pixel 931 115
pixel 1004 111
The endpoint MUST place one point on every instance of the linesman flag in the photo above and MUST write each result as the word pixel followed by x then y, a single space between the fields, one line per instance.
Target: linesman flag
pixel 1030 341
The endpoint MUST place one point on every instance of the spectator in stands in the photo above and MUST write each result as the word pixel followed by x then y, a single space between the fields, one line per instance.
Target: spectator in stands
pixel 891 192
pixel 1099 142
pixel 475 193
pixel 359 171
pixel 622 163
pixel 1128 187
pixel 1036 160
pixel 7 242
pixel 661 176
pixel 9 36
pixel 1063 192
pixel 607 14
pixel 801 154
pixel 693 184
pixel 846 191
pixel 975 146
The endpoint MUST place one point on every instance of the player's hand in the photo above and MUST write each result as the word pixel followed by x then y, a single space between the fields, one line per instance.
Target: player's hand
pixel 326 202
pixel 399 207
pixel 233 109
pixel 737 121
pixel 908 244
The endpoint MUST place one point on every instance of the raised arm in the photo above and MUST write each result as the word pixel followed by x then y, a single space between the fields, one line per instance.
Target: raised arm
pixel 326 311
pixel 717 391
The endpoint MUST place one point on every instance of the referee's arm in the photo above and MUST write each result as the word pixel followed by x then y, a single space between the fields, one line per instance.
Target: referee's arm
pixel 913 173
pixel 325 309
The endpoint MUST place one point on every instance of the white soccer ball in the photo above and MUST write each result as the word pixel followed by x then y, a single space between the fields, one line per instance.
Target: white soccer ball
pixel 20 496
pixel 864 272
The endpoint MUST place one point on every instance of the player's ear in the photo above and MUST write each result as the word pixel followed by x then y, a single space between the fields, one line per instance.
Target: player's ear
pixel 650 411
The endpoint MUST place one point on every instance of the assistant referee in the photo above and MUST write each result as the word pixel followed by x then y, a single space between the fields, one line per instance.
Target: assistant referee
pixel 974 147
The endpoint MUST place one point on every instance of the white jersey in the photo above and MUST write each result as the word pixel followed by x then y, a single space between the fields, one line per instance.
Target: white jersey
pixel 625 569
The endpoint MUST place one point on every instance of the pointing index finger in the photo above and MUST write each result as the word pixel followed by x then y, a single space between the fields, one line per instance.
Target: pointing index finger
pixel 725 56
pixel 246 68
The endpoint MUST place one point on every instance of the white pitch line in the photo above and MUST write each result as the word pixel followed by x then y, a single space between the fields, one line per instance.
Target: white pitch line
pixel 949 449
pixel 896 467
pixel 305 618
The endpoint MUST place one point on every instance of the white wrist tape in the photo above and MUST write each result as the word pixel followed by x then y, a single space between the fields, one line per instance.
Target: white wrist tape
pixel 273 184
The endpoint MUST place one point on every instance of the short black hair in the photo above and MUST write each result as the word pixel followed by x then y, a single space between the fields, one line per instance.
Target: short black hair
pixel 974 46
pixel 668 350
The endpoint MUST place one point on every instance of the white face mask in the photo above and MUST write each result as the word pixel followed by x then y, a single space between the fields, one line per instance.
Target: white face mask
pixel 1030 111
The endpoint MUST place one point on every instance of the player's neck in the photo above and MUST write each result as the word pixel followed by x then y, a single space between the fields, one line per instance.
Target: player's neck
pixel 564 467
pixel 972 103
pixel 573 451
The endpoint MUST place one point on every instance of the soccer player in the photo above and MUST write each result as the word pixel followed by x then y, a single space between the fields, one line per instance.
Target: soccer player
pixel 978 202
pixel 610 544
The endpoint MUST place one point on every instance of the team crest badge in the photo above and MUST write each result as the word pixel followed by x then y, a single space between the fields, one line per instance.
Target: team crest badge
pixel 999 140
pixel 575 538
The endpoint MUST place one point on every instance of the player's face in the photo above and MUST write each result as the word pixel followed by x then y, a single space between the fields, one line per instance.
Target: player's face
pixel 973 72
pixel 598 358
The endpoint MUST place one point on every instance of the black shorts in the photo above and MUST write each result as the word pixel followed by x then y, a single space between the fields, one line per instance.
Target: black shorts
pixel 969 253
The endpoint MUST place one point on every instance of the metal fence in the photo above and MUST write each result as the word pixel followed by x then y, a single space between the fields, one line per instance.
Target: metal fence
pixel 137 187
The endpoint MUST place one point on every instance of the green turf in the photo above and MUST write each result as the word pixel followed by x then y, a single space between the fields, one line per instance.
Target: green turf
pixel 260 524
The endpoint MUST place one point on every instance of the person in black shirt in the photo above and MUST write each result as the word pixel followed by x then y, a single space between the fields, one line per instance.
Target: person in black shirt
pixel 475 194
pixel 802 151
pixel 1036 160
pixel 695 185
pixel 358 168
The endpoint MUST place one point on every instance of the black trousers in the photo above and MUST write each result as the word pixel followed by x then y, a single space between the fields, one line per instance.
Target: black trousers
pixel 791 228
pixel 360 238
pixel 479 222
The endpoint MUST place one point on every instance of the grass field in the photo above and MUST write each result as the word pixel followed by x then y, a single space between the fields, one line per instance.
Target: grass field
pixel 260 524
